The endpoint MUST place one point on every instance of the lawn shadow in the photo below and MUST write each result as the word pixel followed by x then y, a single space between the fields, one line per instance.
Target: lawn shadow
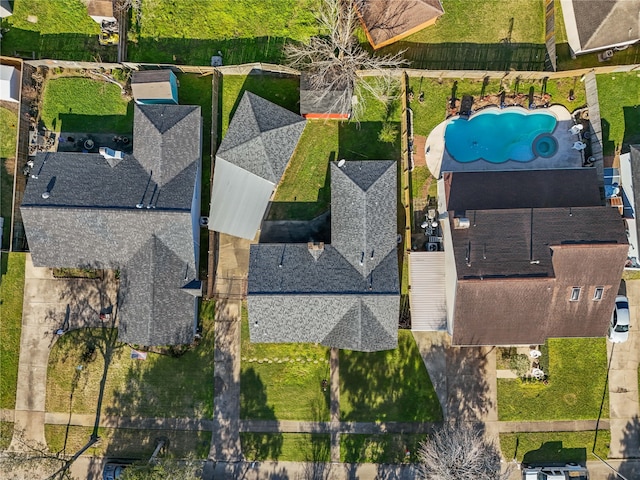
pixel 552 454
pixel 631 127
pixel 98 124
pixel 360 141
pixel 253 404
pixel 500 57
pixel 608 145
pixel 32 44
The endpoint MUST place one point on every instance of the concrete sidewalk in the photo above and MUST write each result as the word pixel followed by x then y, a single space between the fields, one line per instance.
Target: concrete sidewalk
pixel 50 304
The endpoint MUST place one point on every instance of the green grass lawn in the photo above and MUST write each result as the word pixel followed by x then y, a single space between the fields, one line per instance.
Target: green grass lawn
pixel 76 104
pixel 422 183
pixel 127 443
pixel 159 386
pixel 11 297
pixel 61 30
pixel 6 432
pixel 282 381
pixel 8 132
pixel 244 31
pixel 491 35
pixel 433 110
pixel 619 96
pixel 6 198
pixel 286 447
pixel 554 447
pixel 391 385
pixel 387 448
pixel 577 376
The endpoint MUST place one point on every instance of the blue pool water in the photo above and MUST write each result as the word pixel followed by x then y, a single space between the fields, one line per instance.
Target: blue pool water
pixel 500 136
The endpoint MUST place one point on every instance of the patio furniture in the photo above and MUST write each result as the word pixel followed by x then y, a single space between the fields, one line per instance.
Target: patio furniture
pixel 579 146
pixel 576 129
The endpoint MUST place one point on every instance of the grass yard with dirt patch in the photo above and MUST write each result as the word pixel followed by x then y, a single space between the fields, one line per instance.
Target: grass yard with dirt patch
pixel 11 298
pixel 60 29
pixel 243 31
pixel 619 96
pixel 127 443
pixel 286 447
pixel 8 132
pixel 384 448
pixel 78 104
pixel 554 447
pixel 161 385
pixel 282 381
pixel 577 376
pixel 387 386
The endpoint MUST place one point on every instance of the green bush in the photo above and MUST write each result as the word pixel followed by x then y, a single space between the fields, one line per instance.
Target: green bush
pixel 519 363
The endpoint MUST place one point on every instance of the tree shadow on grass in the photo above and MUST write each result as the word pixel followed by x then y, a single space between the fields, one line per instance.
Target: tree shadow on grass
pixel 359 141
pixel 253 402
pixel 631 127
pixel 552 454
pixel 390 385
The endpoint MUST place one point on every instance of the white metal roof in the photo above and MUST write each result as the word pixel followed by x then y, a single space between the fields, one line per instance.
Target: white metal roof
pixel 427 295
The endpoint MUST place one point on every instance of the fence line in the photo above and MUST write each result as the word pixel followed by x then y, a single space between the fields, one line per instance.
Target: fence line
pixel 259 68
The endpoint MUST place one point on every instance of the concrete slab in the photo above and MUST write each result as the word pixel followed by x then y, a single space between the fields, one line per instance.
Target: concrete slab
pixel 432 346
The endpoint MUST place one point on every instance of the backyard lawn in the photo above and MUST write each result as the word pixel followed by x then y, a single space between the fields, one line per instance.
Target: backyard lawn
pixel 577 374
pixel 11 296
pixel 161 385
pixel 488 35
pixel 243 31
pixel 78 104
pixel 387 448
pixel 8 131
pixel 619 96
pixel 286 447
pixel 136 443
pixel 555 447
pixel 59 29
pixel 6 432
pixel 282 381
pixel 386 386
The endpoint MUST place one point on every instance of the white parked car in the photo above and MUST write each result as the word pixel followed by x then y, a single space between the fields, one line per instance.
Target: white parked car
pixel 619 328
pixel 568 472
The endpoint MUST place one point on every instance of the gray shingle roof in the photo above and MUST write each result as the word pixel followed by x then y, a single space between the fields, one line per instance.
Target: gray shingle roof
pixel 326 296
pixel 261 137
pixel 601 23
pixel 152 84
pixel 91 219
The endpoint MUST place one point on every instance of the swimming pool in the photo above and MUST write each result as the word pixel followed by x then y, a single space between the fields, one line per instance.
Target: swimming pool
pixel 498 136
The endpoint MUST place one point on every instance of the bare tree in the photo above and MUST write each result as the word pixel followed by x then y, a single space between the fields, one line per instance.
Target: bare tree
pixel 161 469
pixel 459 451
pixel 332 62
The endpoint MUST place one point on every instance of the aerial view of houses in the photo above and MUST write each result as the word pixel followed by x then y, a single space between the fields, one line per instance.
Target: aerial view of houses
pixel 319 239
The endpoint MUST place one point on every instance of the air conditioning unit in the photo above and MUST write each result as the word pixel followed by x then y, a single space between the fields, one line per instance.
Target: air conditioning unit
pixel 432 247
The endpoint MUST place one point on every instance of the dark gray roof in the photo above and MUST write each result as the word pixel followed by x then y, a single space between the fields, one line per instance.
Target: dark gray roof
pixel 602 23
pixel 151 76
pixel 261 137
pixel 91 219
pixel 321 101
pixel 343 295
pixel 171 139
pixel 521 189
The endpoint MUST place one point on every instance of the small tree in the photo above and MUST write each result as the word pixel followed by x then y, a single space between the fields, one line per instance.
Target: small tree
pixel 333 61
pixel 459 451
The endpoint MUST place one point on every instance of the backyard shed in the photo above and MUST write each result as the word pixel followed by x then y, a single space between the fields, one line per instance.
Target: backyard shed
pixel 101 10
pixel 154 87
pixel 250 162
pixel 594 25
pixel 386 22
pixel 9 83
pixel 322 104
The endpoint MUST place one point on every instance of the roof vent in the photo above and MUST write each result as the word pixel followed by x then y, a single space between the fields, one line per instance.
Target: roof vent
pixel 315 249
pixel 341 163
pixel 140 205
pixel 461 222
pixel 45 195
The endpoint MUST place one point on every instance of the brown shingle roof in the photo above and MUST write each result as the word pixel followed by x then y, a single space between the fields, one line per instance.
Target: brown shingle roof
pixel 387 21
pixel 521 189
pixel 502 298
pixel 100 8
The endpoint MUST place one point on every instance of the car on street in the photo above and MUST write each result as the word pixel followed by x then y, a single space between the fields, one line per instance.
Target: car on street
pixel 113 469
pixel 567 472
pixel 619 327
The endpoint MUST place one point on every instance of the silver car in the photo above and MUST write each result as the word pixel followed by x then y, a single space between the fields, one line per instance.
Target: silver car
pixel 619 328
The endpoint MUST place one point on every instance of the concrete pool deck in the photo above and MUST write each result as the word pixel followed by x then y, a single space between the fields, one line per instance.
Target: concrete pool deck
pixel 439 160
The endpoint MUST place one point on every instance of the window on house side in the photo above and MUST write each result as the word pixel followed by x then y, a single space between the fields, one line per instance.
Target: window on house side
pixel 597 294
pixel 575 294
